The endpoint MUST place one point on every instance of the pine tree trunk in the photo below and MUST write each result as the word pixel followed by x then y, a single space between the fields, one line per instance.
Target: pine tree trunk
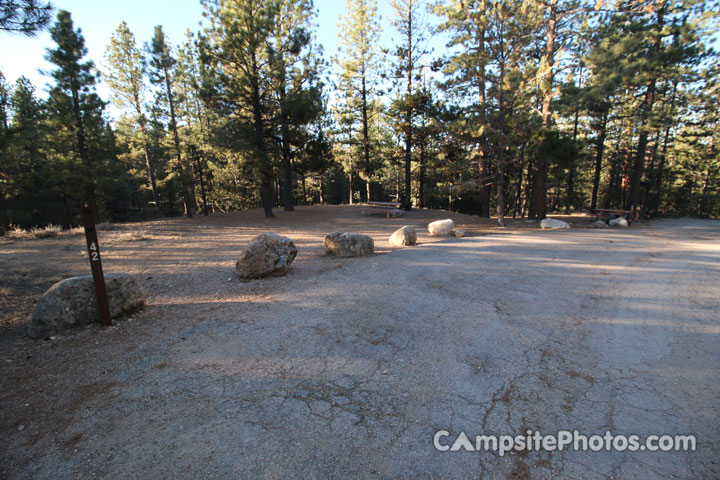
pixel 201 175
pixel 481 152
pixel 263 165
pixel 614 165
pixel 660 173
pixel 518 191
pixel 322 189
pixel 366 135
pixel 598 159
pixel 571 171
pixel 500 182
pixel 500 178
pixel 421 180
pixel 188 199
pixel 541 168
pixel 638 166
pixel 304 190
pixel 146 150
pixel 528 198
pixel 84 154
pixel 407 200
pixel 350 180
pixel 151 176
pixel 648 174
pixel 287 168
pixel 645 112
pixel 655 198
pixel 287 192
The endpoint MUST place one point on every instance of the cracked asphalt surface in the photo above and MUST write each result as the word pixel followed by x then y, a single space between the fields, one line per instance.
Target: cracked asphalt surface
pixel 349 373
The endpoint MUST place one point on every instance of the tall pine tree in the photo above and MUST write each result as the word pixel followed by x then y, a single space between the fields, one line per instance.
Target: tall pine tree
pixel 125 74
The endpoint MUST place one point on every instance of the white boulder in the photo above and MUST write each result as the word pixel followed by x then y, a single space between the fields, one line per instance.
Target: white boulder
pixel 619 222
pixel 459 233
pixel 552 223
pixel 441 227
pixel 403 237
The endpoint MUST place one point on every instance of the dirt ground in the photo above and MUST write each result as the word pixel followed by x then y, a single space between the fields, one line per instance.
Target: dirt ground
pixel 345 368
pixel 180 254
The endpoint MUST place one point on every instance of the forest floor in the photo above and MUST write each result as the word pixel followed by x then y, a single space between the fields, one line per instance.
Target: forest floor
pixel 345 368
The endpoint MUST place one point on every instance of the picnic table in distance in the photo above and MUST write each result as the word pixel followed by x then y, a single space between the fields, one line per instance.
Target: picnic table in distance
pixel 606 214
pixel 388 208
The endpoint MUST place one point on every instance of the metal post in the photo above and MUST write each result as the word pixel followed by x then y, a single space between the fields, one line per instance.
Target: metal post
pixel 96 265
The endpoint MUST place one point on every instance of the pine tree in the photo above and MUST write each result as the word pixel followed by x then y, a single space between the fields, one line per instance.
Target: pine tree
pixel 162 65
pixel 409 54
pixel 295 69
pixel 198 118
pixel 465 82
pixel 5 176
pixel 560 22
pixel 73 96
pixel 126 77
pixel 27 17
pixel 26 192
pixel 359 34
pixel 648 46
pixel 509 43
pixel 240 33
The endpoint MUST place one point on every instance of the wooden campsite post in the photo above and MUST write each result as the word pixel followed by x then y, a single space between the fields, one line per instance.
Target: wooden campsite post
pixel 96 265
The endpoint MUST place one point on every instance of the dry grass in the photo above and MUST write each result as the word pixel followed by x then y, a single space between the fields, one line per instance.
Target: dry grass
pixel 52 231
pixel 46 232
pixel 17 233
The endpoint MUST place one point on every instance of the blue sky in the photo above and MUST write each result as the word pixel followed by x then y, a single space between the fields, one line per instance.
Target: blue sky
pixel 98 20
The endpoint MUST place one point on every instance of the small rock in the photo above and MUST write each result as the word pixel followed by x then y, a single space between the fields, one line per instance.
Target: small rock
pixel 459 233
pixel 403 237
pixel 552 223
pixel 619 222
pixel 441 227
pixel 267 254
pixel 599 224
pixel 349 244
pixel 21 428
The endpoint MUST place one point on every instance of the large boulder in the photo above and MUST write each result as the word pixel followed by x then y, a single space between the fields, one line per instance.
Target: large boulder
pixel 441 227
pixel 403 237
pixel 349 244
pixel 267 254
pixel 619 222
pixel 72 303
pixel 552 223
pixel 599 224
